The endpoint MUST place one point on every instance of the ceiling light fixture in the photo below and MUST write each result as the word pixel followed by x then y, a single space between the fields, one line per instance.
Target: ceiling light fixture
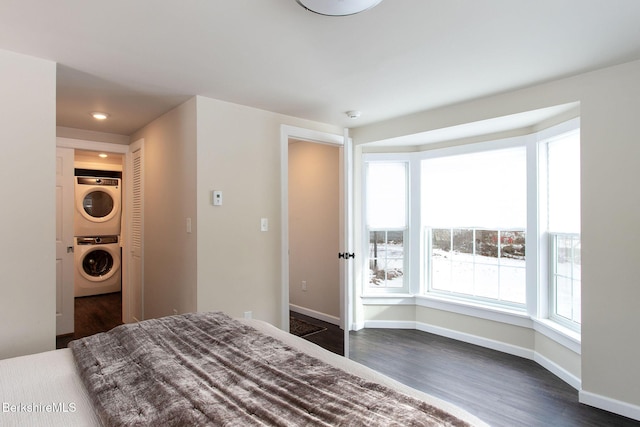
pixel 99 116
pixel 337 7
pixel 103 155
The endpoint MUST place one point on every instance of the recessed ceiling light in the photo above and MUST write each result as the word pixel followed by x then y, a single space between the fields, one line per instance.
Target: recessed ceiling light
pixel 338 7
pixel 99 116
pixel 102 155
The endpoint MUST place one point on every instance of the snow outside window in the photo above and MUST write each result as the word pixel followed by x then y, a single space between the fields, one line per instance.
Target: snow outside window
pixel 563 228
pixel 387 225
pixel 474 215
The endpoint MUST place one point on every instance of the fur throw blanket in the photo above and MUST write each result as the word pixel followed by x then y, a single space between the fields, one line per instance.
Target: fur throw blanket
pixel 208 369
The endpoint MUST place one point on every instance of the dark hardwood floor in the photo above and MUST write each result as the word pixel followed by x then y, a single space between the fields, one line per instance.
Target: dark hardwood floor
pixel 501 389
pixel 93 314
pixel 332 338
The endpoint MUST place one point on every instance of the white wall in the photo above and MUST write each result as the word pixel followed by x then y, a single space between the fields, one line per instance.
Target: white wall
pixel 169 199
pixel 610 104
pixel 239 154
pixel 314 227
pixel 27 216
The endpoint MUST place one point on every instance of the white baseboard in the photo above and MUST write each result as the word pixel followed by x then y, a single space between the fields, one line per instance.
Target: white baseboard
pixel 609 404
pixel 390 324
pixel 558 371
pixel 315 314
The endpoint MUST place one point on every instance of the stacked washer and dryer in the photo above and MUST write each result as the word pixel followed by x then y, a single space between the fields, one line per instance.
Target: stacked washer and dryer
pixel 97 224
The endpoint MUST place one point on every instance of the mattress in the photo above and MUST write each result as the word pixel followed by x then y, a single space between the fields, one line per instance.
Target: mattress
pixel 46 389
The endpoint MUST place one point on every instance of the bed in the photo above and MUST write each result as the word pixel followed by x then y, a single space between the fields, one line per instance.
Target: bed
pixel 207 369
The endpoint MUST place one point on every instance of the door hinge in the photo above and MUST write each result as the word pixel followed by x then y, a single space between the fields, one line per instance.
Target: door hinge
pixel 346 255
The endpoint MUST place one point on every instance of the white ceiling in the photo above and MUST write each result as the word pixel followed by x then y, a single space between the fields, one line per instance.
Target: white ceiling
pixel 138 59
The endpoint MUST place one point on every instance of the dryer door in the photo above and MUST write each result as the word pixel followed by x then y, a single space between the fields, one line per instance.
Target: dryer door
pixel 98 204
pixel 97 199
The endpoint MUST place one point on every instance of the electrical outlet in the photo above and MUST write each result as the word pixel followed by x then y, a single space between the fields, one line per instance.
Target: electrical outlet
pixel 248 315
pixel 175 311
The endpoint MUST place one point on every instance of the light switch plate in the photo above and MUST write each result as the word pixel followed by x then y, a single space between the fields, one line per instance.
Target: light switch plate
pixel 216 198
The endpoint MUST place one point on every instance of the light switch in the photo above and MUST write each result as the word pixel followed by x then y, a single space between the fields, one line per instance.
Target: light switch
pixel 216 198
pixel 264 224
pixel 188 225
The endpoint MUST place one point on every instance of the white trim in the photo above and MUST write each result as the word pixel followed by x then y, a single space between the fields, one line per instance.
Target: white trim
pixel 81 144
pixel 477 340
pixel 612 405
pixel 558 371
pixel 390 324
pixel 388 299
pixel 563 336
pixel 291 132
pixel 558 130
pixel 315 314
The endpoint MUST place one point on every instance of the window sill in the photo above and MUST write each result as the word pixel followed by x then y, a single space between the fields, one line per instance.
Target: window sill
pixel 560 334
pixel 388 299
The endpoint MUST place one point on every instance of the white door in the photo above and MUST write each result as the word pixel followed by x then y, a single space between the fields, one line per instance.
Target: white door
pixel 64 241
pixel 133 303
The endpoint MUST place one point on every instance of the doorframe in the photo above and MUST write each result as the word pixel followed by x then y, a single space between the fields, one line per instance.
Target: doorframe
pixel 82 144
pixel 291 132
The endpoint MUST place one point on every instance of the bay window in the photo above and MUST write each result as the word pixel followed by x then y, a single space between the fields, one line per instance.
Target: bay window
pixel 450 227
pixel 387 224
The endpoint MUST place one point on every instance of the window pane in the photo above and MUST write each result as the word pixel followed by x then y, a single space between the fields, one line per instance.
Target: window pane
pixel 564 257
pixel 487 280
pixel 512 245
pixel 564 297
pixel 462 242
pixel 566 278
pixel 512 282
pixel 386 259
pixel 441 259
pixel 564 183
pixel 387 195
pixel 486 189
pixel 482 263
pixel 487 244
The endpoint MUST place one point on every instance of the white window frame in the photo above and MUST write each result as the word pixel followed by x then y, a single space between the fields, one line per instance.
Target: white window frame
pixel 546 291
pixel 369 289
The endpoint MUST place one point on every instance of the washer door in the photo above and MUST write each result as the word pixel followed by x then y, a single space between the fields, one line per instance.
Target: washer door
pixel 98 264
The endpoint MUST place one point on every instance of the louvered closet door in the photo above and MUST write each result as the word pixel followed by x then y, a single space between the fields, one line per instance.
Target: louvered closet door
pixel 137 230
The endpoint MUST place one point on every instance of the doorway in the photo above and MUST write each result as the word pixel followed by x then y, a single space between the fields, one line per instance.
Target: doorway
pixel 97 312
pixel 314 232
pixel 314 227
